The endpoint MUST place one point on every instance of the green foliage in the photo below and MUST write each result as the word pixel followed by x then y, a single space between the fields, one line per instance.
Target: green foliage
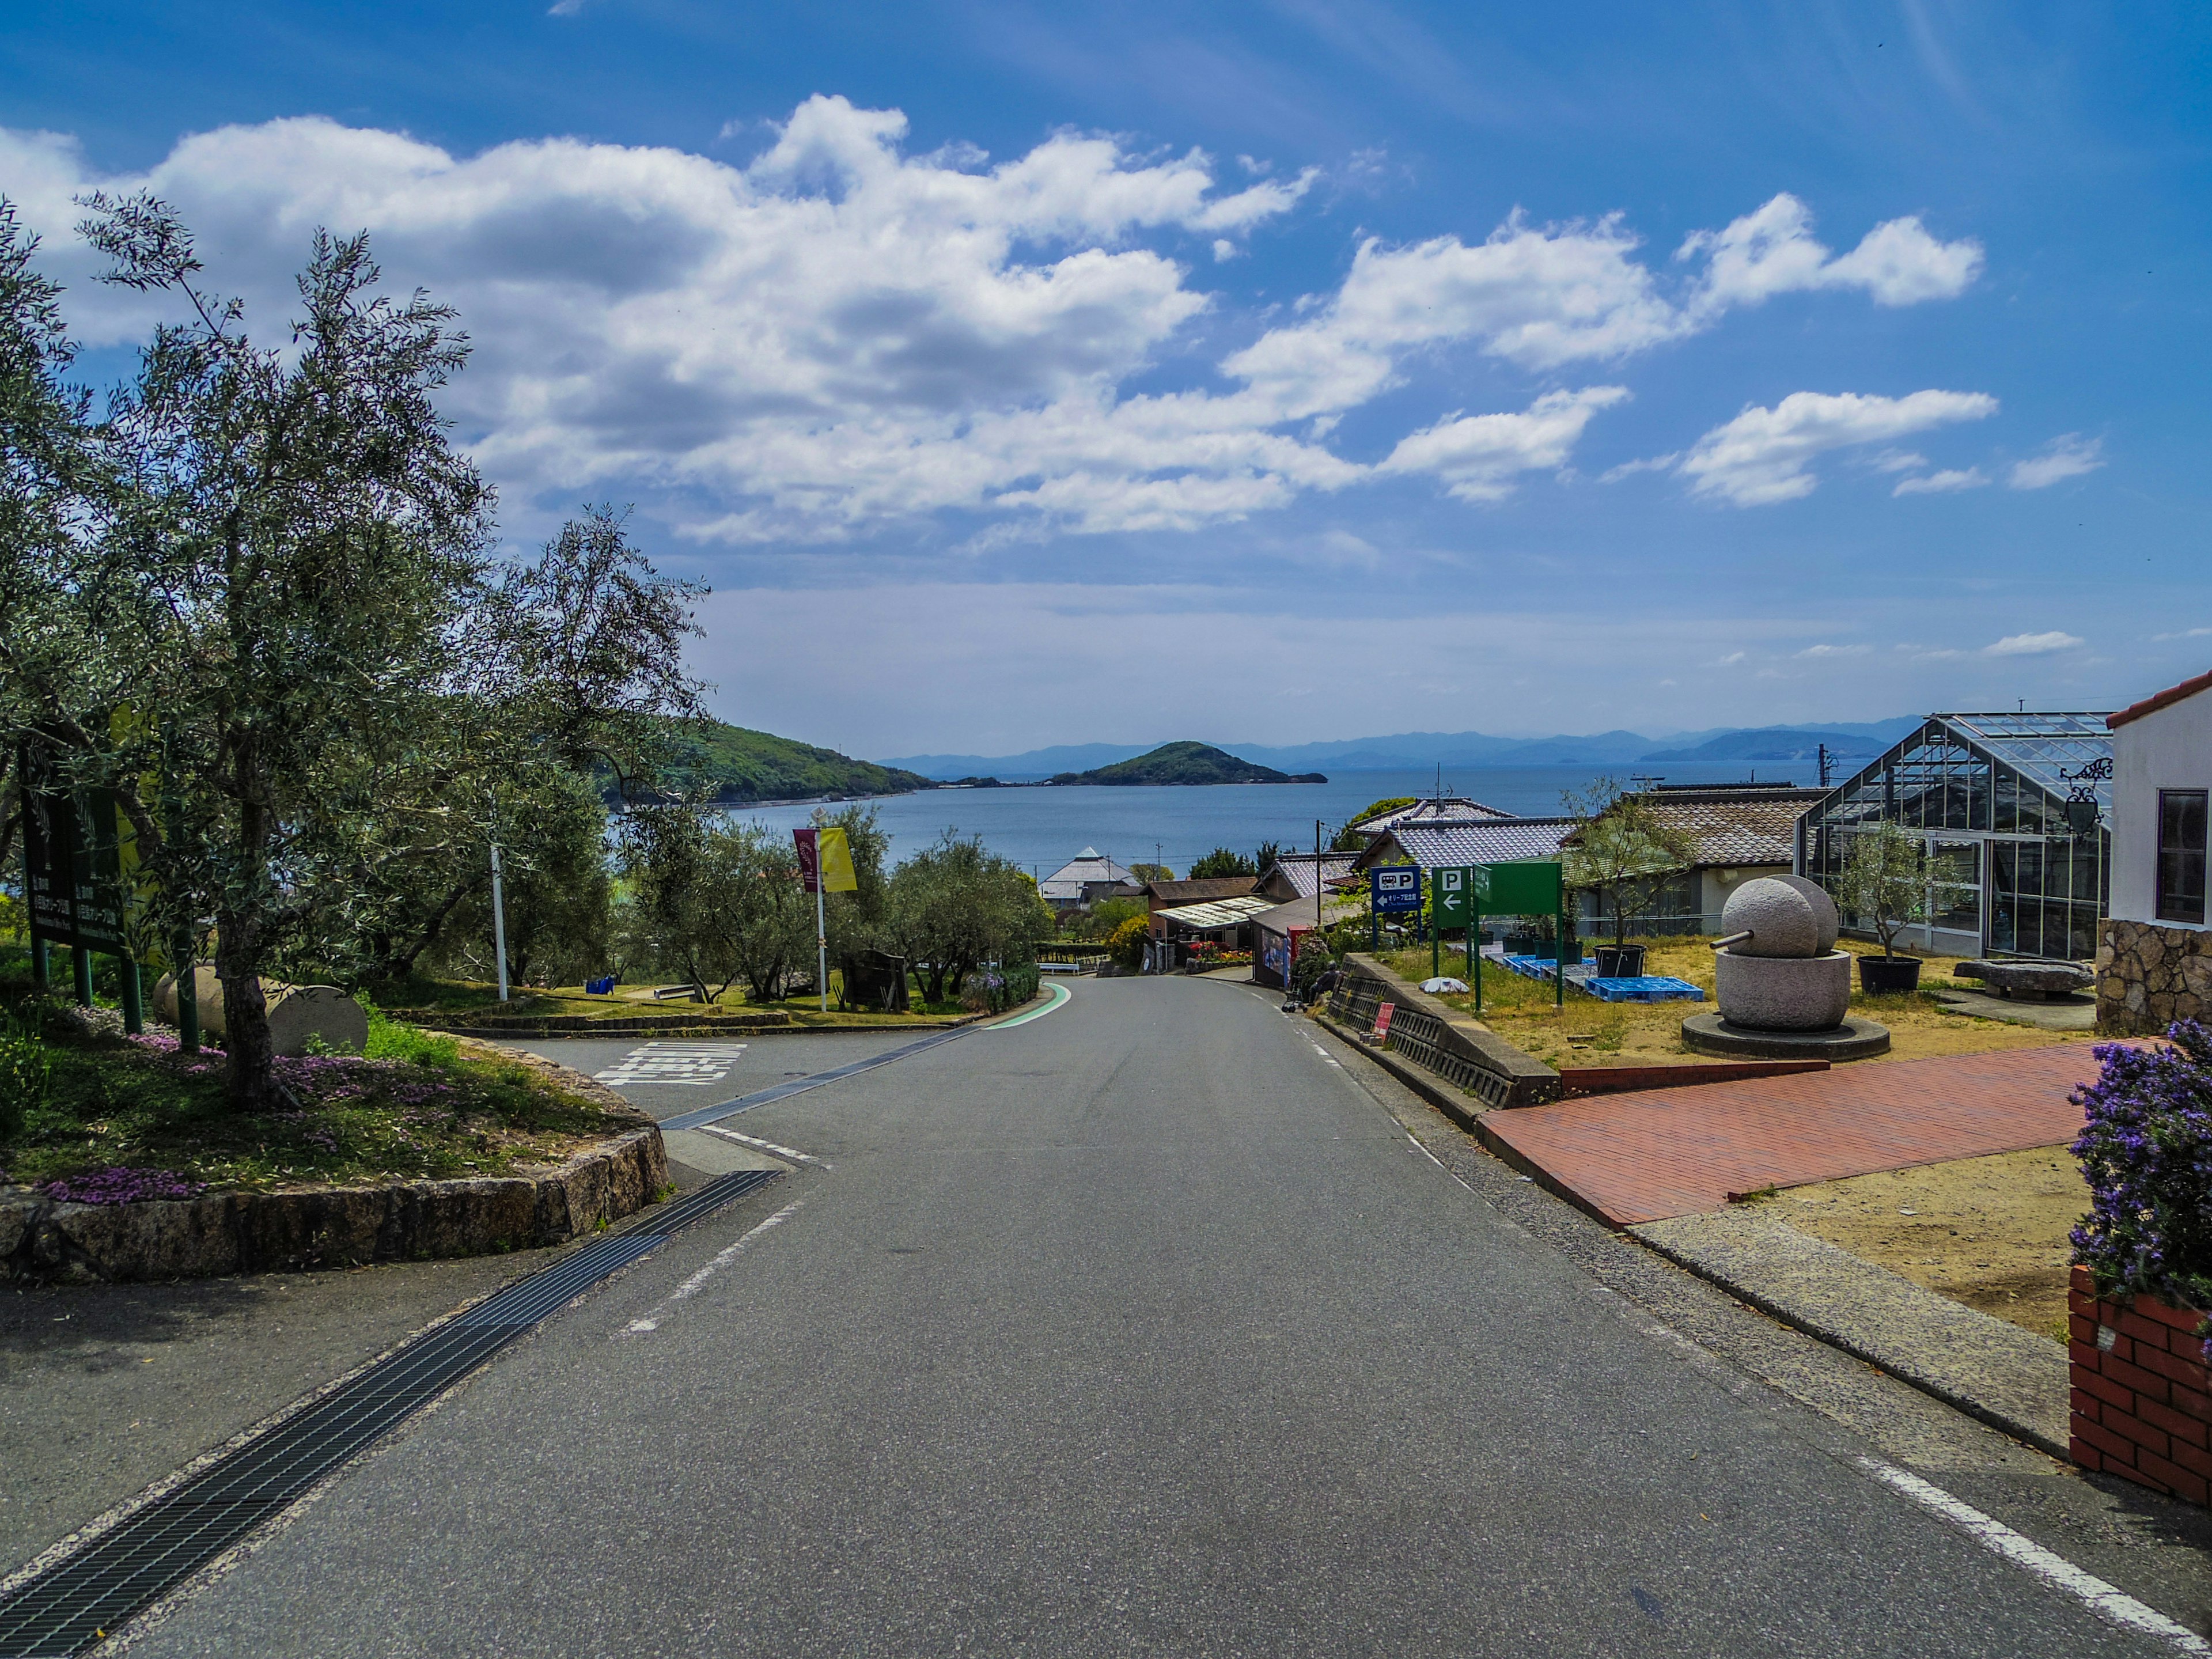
pixel 708 760
pixel 1105 918
pixel 26 1070
pixel 1266 856
pixel 1622 850
pixel 558 891
pixel 389 1040
pixel 718 900
pixel 1152 872
pixel 129 1103
pixel 954 908
pixel 1181 763
pixel 1387 804
pixel 1126 943
pixel 1222 862
pixel 264 585
pixel 1889 880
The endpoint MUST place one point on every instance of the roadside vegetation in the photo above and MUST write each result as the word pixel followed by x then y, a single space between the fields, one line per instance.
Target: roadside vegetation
pixel 88 1114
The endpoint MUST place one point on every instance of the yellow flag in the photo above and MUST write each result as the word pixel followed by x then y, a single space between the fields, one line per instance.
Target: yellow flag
pixel 836 854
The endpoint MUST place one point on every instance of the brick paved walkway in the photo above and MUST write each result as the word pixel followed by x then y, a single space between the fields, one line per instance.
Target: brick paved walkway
pixel 1633 1158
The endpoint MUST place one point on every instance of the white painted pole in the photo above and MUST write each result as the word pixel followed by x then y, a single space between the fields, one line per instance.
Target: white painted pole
pixel 821 935
pixel 498 921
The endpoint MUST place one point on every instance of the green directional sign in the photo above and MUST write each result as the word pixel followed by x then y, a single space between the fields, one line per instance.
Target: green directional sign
pixel 1460 893
pixel 1525 887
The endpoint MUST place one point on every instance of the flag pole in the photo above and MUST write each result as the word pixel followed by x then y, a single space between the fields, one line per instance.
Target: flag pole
pixel 821 940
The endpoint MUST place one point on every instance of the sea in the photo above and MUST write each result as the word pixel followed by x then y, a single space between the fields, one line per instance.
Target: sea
pixel 1043 828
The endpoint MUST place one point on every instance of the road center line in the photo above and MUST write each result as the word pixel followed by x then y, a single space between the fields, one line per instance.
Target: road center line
pixel 691 1287
pixel 2114 1606
pixel 721 1134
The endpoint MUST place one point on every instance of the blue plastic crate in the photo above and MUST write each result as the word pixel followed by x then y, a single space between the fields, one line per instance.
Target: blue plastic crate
pixel 1643 987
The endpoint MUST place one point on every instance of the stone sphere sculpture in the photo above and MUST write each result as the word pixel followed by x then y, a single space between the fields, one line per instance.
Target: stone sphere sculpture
pixel 1787 976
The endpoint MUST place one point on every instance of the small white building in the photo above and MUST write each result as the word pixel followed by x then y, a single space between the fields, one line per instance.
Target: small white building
pixel 2154 950
pixel 1087 877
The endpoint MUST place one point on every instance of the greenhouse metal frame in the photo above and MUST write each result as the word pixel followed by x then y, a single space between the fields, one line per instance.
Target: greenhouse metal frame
pixel 2013 808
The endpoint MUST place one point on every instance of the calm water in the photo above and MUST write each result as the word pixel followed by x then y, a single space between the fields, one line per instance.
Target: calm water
pixel 1043 829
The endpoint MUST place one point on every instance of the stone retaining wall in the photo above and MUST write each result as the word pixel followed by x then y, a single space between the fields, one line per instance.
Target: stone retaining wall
pixel 2149 975
pixel 343 1226
pixel 1438 1039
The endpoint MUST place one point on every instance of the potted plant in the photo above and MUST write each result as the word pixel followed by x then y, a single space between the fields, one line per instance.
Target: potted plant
pixel 1623 850
pixel 1888 879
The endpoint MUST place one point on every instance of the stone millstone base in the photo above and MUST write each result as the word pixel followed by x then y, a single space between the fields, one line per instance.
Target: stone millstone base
pixel 1855 1039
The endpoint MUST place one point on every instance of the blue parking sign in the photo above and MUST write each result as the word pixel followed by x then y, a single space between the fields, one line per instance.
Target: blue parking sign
pixel 1395 887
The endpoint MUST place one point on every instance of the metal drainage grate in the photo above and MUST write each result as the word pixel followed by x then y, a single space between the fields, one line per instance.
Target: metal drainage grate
pixel 84 1596
pixel 702 1116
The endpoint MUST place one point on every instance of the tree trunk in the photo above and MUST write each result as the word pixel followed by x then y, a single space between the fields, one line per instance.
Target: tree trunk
pixel 251 1076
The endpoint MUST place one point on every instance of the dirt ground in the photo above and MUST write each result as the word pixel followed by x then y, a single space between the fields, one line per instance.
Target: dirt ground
pixel 1987 1231
pixel 1588 1032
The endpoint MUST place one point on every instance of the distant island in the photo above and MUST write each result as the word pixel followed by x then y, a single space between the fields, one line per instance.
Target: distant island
pixel 1187 763
pixel 730 765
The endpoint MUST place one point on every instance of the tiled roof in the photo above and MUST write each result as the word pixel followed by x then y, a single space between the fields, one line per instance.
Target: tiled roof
pixel 1297 869
pixel 1736 829
pixel 1165 893
pixel 2152 704
pixel 1450 807
pixel 1469 841
pixel 1089 866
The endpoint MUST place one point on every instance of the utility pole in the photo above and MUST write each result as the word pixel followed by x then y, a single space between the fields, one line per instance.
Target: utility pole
pixel 498 922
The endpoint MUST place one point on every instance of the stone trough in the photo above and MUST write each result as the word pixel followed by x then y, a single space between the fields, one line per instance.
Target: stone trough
pixel 2031 982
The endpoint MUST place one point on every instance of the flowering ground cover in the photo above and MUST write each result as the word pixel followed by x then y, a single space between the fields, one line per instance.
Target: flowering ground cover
pixel 113 1118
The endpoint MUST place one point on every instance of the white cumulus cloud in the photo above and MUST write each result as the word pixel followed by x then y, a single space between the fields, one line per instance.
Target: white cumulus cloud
pixel 1762 455
pixel 2031 645
pixel 839 336
pixel 1773 251
pixel 1942 483
pixel 2069 457
pixel 1477 455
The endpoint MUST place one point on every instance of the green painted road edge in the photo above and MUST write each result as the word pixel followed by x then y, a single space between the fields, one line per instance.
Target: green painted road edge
pixel 1059 994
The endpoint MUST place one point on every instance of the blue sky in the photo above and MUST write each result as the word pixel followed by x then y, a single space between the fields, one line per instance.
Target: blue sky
pixel 1023 374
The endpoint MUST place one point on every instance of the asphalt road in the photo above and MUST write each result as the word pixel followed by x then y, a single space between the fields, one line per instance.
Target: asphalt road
pixel 1140 1328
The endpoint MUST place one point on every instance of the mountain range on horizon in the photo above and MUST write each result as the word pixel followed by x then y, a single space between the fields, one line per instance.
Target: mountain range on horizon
pixel 1407 751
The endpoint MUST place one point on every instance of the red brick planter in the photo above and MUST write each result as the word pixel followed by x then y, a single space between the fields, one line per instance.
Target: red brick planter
pixel 2143 1395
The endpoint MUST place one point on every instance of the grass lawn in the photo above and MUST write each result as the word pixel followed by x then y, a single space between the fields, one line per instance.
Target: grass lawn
pixel 115 1117
pixel 445 1000
pixel 1588 1032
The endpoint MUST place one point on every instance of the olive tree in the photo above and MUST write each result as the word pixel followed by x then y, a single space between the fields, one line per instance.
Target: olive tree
pixel 269 589
pixel 1622 850
pixel 955 907
pixel 1889 879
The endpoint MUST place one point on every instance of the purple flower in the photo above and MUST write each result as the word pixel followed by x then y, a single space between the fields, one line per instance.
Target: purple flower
pixel 119 1184
pixel 2145 1150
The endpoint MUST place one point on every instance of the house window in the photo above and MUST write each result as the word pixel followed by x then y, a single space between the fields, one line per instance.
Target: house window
pixel 2181 855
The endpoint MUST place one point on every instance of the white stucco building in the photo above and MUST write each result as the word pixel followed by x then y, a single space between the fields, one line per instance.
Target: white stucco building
pixel 2154 949
pixel 2162 778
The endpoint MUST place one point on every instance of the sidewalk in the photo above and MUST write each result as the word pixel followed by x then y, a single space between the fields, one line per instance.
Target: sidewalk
pixel 1630 1158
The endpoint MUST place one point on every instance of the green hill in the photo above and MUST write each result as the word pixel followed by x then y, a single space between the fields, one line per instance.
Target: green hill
pixel 1187 762
pixel 739 765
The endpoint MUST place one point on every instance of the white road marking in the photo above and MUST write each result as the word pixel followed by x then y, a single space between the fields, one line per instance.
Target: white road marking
pixel 689 1287
pixel 2114 1606
pixel 673 1062
pixel 756 1141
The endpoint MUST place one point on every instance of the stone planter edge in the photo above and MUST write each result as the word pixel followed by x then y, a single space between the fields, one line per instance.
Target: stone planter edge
pixel 318 1227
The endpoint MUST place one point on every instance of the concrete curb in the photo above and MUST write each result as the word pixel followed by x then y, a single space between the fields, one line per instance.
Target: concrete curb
pixel 316 1227
pixel 2010 1378
pixel 1463 1108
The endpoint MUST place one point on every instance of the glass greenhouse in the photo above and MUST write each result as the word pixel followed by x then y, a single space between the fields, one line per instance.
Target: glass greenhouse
pixel 2013 808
